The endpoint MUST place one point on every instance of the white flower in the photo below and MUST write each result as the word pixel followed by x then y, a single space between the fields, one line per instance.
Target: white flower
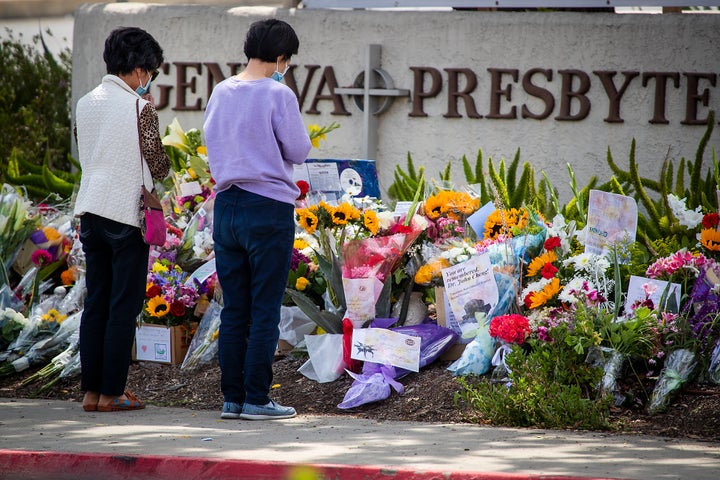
pixel 385 220
pixel 176 138
pixel 575 287
pixel 419 222
pixel 535 287
pixel 686 218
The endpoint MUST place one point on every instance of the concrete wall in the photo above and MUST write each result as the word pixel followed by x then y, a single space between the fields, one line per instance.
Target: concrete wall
pixel 498 49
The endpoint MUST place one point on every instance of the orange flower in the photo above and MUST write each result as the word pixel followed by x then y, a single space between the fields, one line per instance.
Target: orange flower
pixel 710 239
pixel 539 262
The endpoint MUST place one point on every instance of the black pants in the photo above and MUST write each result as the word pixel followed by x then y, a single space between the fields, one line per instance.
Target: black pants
pixel 117 263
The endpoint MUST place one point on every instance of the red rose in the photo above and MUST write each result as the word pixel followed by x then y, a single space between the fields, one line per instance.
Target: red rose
pixel 710 220
pixel 548 271
pixel 153 291
pixel 177 309
pixel 551 243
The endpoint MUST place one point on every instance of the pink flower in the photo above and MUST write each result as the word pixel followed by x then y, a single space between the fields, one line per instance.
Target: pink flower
pixel 41 257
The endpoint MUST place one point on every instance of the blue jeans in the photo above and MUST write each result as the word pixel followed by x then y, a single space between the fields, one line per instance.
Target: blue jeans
pixel 253 246
pixel 116 261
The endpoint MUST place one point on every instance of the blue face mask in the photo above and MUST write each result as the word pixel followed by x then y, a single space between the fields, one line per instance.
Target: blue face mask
pixel 140 90
pixel 277 76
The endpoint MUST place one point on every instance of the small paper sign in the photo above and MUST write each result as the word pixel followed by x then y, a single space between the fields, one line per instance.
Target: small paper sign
pixel 361 294
pixel 477 220
pixel 188 189
pixel 611 220
pixel 641 288
pixel 379 345
pixel 153 344
pixel 471 289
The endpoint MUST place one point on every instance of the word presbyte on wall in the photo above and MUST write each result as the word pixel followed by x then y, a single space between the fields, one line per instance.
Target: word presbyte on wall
pixel 557 94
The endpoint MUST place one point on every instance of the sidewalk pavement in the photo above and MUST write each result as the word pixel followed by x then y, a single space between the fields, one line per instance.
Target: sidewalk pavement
pixel 175 443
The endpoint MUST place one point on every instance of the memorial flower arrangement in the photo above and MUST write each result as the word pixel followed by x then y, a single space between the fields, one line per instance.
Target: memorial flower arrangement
pixel 171 295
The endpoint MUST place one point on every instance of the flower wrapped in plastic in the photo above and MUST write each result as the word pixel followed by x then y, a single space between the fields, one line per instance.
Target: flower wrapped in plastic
pixel 17 220
pixel 197 245
pixel 376 380
pixel 203 346
pixel 45 349
pixel 679 368
pixel 44 321
pixel 52 372
pixel 11 324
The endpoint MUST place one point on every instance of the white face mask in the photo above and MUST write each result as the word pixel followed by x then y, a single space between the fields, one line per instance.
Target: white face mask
pixel 277 76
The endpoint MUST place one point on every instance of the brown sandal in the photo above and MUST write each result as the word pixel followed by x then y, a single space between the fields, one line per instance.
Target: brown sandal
pixel 117 405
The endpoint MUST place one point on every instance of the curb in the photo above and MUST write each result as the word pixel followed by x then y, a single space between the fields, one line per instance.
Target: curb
pixel 25 465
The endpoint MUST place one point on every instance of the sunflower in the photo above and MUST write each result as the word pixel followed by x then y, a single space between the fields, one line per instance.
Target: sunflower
pixel 370 220
pixel 433 207
pixel 539 262
pixel 550 291
pixel 157 307
pixel 53 315
pixel 505 221
pixel 307 220
pixel 710 239
pixel 345 213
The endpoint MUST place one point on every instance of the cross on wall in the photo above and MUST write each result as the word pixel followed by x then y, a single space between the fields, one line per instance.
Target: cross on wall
pixel 373 92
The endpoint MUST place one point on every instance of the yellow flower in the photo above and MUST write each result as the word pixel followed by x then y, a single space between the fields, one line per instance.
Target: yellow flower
pixel 502 222
pixel 370 220
pixel 433 207
pixel 51 234
pixel 315 135
pixel 345 213
pixel 301 284
pixel 202 150
pixel 710 239
pixel 192 173
pixel 157 307
pixel 546 294
pixel 159 268
pixel 307 220
pixel 424 274
pixel 300 244
pixel 53 315
pixel 539 262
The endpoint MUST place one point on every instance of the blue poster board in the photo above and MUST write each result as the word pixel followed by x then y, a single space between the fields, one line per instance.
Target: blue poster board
pixel 357 178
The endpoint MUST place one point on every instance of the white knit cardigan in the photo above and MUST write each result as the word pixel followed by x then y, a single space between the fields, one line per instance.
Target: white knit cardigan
pixel 109 151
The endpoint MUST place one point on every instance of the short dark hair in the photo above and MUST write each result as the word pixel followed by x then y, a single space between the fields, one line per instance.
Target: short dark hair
pixel 268 39
pixel 128 48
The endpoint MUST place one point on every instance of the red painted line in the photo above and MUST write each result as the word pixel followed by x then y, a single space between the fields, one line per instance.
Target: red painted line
pixel 26 465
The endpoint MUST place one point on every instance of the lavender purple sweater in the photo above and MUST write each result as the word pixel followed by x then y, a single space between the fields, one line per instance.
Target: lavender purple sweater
pixel 255 134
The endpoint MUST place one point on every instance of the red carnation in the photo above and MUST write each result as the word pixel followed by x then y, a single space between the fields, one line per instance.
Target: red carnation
pixel 548 271
pixel 710 220
pixel 551 243
pixel 511 328
pixel 304 188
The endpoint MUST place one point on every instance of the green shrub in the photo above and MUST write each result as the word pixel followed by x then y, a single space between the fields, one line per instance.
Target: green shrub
pixel 34 105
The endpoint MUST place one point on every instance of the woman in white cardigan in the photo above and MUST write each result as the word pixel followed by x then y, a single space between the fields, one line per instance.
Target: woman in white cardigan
pixel 116 123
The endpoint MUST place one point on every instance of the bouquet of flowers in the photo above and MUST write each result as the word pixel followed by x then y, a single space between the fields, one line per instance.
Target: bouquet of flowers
pixel 171 295
pixel 11 324
pixel 17 221
pixel 203 346
pixel 197 246
pixel 304 277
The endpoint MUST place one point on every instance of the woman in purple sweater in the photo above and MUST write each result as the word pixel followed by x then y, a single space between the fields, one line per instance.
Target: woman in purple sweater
pixel 255 135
